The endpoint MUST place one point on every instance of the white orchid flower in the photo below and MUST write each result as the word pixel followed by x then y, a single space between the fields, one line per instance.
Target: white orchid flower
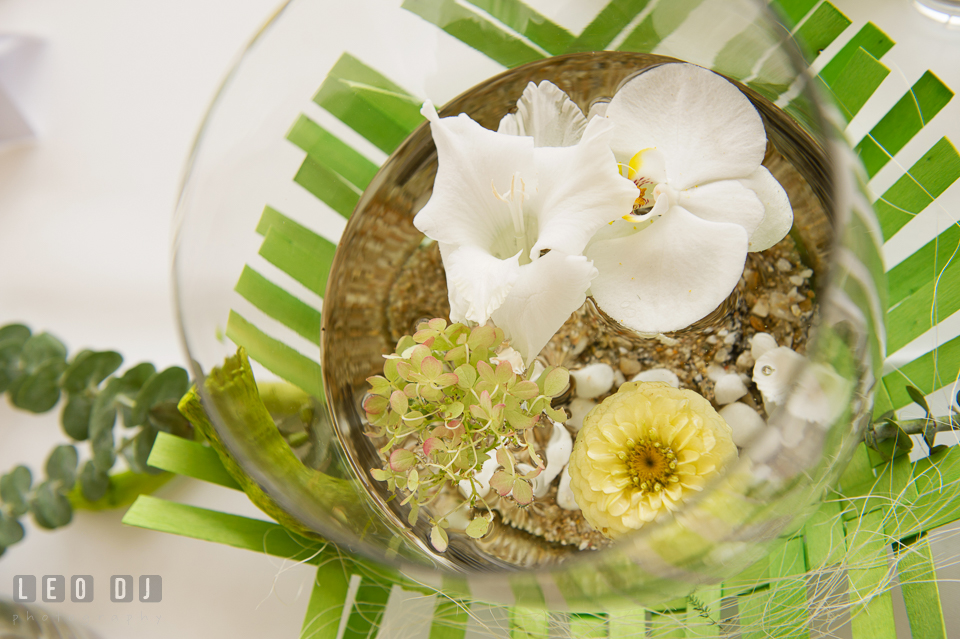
pixel 692 143
pixel 512 219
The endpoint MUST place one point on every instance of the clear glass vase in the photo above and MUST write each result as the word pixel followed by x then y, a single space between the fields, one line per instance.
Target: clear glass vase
pixel 295 235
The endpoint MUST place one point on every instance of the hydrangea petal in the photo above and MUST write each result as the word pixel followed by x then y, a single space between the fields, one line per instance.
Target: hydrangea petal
pixel 473 163
pixel 580 191
pixel 724 201
pixel 547 114
pixel 778 213
pixel 669 275
pixel 478 282
pixel 705 127
pixel 547 291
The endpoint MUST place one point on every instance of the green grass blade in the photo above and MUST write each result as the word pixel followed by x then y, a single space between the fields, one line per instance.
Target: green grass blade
pixel 327 186
pixel 476 31
pixel 275 356
pixel 914 110
pixel 307 267
pixel 872 605
pixel 279 304
pixel 871 39
pixel 327 599
pixel 658 24
pixel 222 528
pixel 368 607
pixel 925 265
pixel 924 182
pixel 529 23
pixel 821 29
pixel 326 149
pixel 934 301
pixel 856 82
pixel 191 459
pixel 921 594
pixel 611 20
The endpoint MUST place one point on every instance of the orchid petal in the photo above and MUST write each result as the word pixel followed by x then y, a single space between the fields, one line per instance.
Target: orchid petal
pixel 724 201
pixel 778 214
pixel 543 297
pixel 478 282
pixel 673 273
pixel 705 127
pixel 648 163
pixel 547 114
pixel 580 191
pixel 475 164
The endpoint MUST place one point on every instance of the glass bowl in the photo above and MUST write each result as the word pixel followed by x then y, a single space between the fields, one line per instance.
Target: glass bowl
pixel 295 237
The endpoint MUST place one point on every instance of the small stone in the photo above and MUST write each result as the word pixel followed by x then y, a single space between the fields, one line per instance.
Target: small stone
pixel 564 494
pixel 731 339
pixel 658 375
pixel 579 408
pixel 784 265
pixel 745 360
pixel 729 389
pixel 629 366
pixel 712 339
pixel 722 355
pixel 761 308
pixel 806 273
pixel 796 280
pixel 593 380
pixel 745 422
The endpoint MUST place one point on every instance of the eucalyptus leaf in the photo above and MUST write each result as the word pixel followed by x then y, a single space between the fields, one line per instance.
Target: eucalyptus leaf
pixel 917 396
pixel 166 417
pixel 93 482
pixel 14 332
pixel 62 466
pixel 39 391
pixel 76 417
pixel 169 384
pixel 135 377
pixel 89 368
pixel 14 487
pixel 103 416
pixel 142 445
pixel 42 348
pixel 930 433
pixel 11 530
pixel 50 508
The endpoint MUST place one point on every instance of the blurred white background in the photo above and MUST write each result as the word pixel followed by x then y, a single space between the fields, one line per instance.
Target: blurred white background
pixel 115 92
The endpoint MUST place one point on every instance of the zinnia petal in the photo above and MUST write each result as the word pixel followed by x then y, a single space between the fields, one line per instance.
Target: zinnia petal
pixel 670 274
pixel 703 125
pixel 547 114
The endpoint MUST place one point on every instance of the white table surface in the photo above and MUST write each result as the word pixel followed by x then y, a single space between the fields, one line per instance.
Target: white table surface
pixel 116 95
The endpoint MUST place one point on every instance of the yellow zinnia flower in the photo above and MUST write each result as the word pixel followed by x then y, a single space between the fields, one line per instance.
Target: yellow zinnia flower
pixel 643 451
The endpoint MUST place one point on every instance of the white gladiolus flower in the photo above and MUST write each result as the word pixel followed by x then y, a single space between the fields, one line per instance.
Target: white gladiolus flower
pixel 512 218
pixel 692 143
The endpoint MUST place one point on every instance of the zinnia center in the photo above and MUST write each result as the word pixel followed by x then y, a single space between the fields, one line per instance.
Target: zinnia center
pixel 650 464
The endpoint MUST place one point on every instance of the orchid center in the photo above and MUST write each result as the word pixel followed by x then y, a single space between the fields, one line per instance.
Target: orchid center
pixel 646 170
pixel 650 464
pixel 521 235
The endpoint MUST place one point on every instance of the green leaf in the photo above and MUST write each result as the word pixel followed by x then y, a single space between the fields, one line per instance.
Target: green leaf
pixel 12 338
pixel 42 348
pixel 438 537
pixel 89 368
pixel 14 487
pixel 918 398
pixel 11 530
pixel 138 454
pixel 555 381
pixel 136 377
pixel 62 466
pixel 76 417
pixel 93 482
pixel 170 384
pixel 51 509
pixel 102 418
pixel 39 391
pixel 165 417
pixel 478 527
pixel 466 376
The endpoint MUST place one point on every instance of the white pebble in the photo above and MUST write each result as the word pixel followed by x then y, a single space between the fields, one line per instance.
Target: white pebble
pixel 796 280
pixel 761 308
pixel 593 380
pixel 775 372
pixel 745 422
pixel 657 375
pixel 564 495
pixel 806 273
pixel 760 344
pixel 579 408
pixel 784 265
pixel 482 478
pixel 729 389
pixel 745 360
pixel 558 454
